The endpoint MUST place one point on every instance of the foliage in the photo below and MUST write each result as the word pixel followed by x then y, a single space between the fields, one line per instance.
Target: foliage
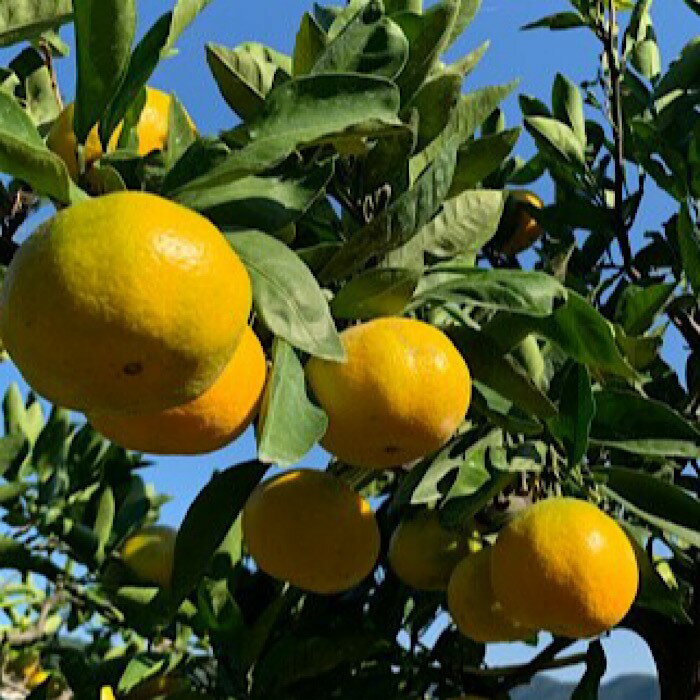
pixel 361 181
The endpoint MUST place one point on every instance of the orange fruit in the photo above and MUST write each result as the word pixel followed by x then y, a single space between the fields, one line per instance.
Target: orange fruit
pixel 127 302
pixel 150 554
pixel 310 528
pixel 526 228
pixel 152 131
pixel 212 420
pixel 400 395
pixel 472 604
pixel 565 566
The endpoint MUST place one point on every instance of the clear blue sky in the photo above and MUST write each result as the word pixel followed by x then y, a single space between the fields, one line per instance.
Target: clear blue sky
pixel 533 57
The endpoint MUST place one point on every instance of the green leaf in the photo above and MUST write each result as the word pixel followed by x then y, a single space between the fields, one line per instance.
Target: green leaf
pixel 465 65
pixel 396 225
pixel 138 670
pixel 287 296
pixel 180 134
pixel 556 138
pixel 183 14
pixel 521 291
pixel 290 425
pixel 104 32
pixel 428 36
pixel 42 103
pixel 596 664
pixel 465 223
pixel 689 243
pixel 489 366
pixel 639 306
pixel 478 158
pixel 567 106
pixel 105 518
pixel 370 44
pixel 471 111
pixel 657 502
pixel 576 412
pixel 13 449
pixel 558 21
pixel 207 522
pixel 24 155
pixel 646 58
pixel 292 659
pixel 268 203
pixel 644 426
pixel 378 292
pixel 245 75
pixel 27 19
pixel 305 111
pixel 694 5
pixel 467 10
pixel 310 43
pixel 683 72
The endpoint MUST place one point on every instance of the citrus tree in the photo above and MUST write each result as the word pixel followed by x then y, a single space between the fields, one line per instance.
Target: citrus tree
pixel 510 453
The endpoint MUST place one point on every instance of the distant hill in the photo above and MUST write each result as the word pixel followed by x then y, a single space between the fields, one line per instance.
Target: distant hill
pixel 630 687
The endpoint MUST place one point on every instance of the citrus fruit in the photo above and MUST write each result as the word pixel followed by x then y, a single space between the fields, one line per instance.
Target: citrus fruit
pixel 401 394
pixel 149 554
pixel 311 529
pixel 210 421
pixel 124 302
pixel 423 553
pixel 472 604
pixel 565 566
pixel 152 131
pixel 526 229
pixel 106 693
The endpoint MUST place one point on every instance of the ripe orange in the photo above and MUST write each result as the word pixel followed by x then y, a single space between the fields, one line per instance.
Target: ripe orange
pixel 526 229
pixel 152 131
pixel 311 529
pixel 401 394
pixel 206 423
pixel 127 302
pixel 565 566
pixel 472 604
pixel 150 554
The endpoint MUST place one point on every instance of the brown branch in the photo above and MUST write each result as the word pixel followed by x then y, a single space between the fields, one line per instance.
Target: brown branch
pixel 525 672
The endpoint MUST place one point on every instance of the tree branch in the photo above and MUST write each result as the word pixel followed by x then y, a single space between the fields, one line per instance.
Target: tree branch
pixel 542 661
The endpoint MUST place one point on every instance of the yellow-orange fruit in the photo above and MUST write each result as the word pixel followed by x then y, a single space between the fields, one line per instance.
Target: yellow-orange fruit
pixel 311 529
pixel 423 553
pixel 150 554
pixel 472 604
pixel 127 302
pixel 565 566
pixel 526 228
pixel 212 420
pixel 401 394
pixel 152 131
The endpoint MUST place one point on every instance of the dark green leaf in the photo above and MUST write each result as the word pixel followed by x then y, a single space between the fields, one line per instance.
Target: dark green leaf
pixel 287 296
pixel 556 138
pixel 466 12
pixel 26 19
pixel 104 32
pixel 638 307
pixel 560 20
pixel 657 502
pixel 309 45
pixel 689 243
pixel 180 133
pixel 290 424
pixel 576 411
pixel 208 521
pixel 636 424
pixel 378 292
pixel 683 72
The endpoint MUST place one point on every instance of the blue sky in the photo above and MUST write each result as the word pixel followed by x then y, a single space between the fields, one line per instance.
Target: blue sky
pixel 533 57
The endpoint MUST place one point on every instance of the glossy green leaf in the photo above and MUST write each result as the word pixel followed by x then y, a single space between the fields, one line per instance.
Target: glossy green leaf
pixel 105 517
pixel 184 13
pixel 245 74
pixel 290 425
pixel 567 106
pixel 465 223
pixel 636 424
pixel 287 296
pixel 371 44
pixel 576 411
pixel 639 306
pixel 24 155
pixel 557 138
pixel 180 134
pixel 378 292
pixel 521 291
pixel 478 158
pixel 471 111
pixel 26 19
pixel 657 502
pixel 689 244
pixel 207 522
pixel 104 33
pixel 399 222
pixel 466 11
pixel 310 42
pixel 489 366
pixel 682 73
